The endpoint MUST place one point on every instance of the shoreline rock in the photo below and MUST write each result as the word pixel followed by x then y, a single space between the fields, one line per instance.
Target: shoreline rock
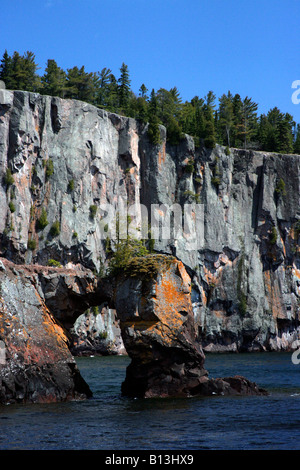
pixel 156 322
pixel 36 366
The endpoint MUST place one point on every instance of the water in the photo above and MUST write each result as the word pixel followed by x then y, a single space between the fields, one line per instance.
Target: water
pixel 111 422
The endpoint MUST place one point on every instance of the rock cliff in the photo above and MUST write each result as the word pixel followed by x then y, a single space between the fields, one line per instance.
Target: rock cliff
pixel 61 159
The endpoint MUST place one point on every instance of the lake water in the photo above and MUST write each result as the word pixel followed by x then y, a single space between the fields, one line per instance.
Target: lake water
pixel 111 422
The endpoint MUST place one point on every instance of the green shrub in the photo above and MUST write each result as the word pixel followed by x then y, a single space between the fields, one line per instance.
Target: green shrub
pixel 55 229
pixel 273 236
pixel 189 168
pixel 216 180
pixel 93 210
pixel 12 207
pixel 103 335
pixel 49 168
pixel 125 251
pixel 43 221
pixel 8 178
pixel 95 310
pixel 31 245
pixel 71 185
pixel 280 188
pixel 194 196
pixel 53 262
pixel 148 265
pixel 75 235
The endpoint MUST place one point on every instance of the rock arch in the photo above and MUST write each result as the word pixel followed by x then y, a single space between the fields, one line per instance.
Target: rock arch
pixel 153 304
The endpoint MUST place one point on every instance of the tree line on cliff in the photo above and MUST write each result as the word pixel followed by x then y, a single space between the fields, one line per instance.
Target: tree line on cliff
pixel 229 120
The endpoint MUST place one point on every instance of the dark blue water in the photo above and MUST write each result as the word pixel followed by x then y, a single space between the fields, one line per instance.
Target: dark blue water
pixel 111 422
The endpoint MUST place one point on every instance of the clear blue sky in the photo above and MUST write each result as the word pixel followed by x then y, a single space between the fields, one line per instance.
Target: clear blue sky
pixel 250 47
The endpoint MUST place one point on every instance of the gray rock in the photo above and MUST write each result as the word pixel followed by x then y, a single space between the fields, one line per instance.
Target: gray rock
pixel 245 274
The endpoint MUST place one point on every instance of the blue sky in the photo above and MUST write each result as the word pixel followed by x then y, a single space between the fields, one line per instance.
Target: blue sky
pixel 247 47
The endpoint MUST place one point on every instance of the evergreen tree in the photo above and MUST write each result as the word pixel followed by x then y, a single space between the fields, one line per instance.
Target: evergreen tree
pixel 153 127
pixel 209 105
pixel 124 87
pixel 297 141
pixel 187 119
pixel 54 80
pixel 113 94
pixel 6 73
pixel 285 134
pixel 208 120
pixel 19 72
pixel 210 134
pixel 103 87
pixel 248 119
pixel 81 85
pixel 226 117
pixel 200 120
pixel 275 131
pixel 32 81
pixel 141 109
pixel 168 109
pixel 143 92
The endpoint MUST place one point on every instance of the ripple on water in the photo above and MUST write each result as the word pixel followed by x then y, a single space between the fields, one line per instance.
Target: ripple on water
pixel 110 421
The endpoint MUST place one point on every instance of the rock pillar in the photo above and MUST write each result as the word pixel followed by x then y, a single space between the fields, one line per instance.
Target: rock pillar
pixel 154 306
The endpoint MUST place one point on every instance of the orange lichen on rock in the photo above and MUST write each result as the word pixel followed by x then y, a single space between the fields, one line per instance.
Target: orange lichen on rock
pixel 162 155
pixel 173 303
pixel 274 296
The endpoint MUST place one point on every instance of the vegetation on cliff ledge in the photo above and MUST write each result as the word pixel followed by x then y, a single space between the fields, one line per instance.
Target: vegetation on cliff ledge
pixel 131 257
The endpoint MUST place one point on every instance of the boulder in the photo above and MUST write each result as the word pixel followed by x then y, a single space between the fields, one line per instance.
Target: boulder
pixel 36 365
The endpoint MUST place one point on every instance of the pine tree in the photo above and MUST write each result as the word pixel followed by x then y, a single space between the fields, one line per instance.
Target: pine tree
pixel 113 94
pixel 153 127
pixel 297 141
pixel 19 72
pixel 210 135
pixel 32 81
pixel 248 119
pixel 124 87
pixel 141 109
pixel 81 85
pixel 226 117
pixel 275 131
pixel 6 73
pixel 285 134
pixel 104 79
pixel 54 80
pixel 143 92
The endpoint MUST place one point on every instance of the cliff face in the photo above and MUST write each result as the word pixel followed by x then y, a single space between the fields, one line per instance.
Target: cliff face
pixel 67 156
